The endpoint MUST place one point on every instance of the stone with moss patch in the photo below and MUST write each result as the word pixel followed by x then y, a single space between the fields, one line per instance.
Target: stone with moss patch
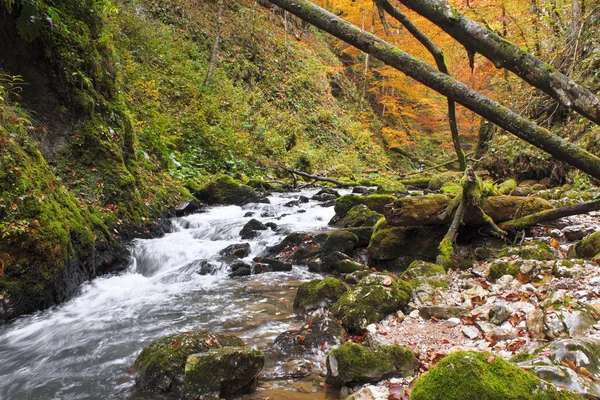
pixel 532 250
pixel 507 186
pixel 420 271
pixel 355 363
pixel 375 202
pixel 375 296
pixel 359 215
pixel 391 187
pixel 342 241
pixel 483 376
pixel 319 293
pixel 226 190
pixel 161 364
pixel 439 180
pixel 503 267
pixel 587 247
pixel 451 188
pixel 321 332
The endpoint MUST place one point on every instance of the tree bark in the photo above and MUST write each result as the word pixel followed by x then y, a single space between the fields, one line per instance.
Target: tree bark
pixel 215 49
pixel 444 84
pixel 505 54
pixel 440 62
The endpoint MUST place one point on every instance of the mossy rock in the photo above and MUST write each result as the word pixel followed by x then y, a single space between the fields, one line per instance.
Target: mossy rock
pixel 451 188
pixel 375 296
pixel 421 272
pixel 587 247
pixel 532 250
pixel 342 241
pixel 226 190
pixel 391 187
pixel 350 266
pixel 222 373
pixel 363 233
pixel 502 267
pixel 436 182
pixel 319 293
pixel 355 363
pixel 483 376
pixel 359 215
pixel 323 331
pixel 375 202
pixel 161 364
pixel 507 186
pixel 403 245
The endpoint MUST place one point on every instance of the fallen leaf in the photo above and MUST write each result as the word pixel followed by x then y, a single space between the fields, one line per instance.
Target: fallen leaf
pixel 13 207
pixel 491 359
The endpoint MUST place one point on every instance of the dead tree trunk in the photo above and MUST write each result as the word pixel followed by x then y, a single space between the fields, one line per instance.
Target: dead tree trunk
pixel 444 84
pixel 215 49
pixel 505 54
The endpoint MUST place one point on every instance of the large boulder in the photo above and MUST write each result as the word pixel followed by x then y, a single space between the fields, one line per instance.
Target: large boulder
pixel 226 190
pixel 588 247
pixel 355 363
pixel 483 376
pixel 394 248
pixel 342 241
pixel 375 202
pixel 375 296
pixel 320 333
pixel 222 373
pixel 319 293
pixel 161 365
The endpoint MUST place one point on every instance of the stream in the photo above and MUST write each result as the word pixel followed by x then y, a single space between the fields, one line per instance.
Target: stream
pixel 86 347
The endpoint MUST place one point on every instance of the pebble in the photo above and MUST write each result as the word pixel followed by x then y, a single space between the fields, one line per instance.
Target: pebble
pixel 414 314
pixel 471 332
pixel 452 322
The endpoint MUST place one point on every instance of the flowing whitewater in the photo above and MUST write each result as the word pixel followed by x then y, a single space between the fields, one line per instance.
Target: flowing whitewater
pixel 85 348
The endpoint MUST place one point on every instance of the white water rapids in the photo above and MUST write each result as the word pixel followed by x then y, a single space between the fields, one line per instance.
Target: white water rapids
pixel 85 348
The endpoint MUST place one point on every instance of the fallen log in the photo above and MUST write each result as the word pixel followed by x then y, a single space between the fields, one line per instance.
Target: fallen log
pixel 432 210
pixel 549 215
pixel 317 178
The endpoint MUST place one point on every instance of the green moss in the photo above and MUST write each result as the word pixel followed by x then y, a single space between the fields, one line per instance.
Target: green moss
pixel 588 247
pixel 500 268
pixel 359 215
pixel 483 376
pixel 447 253
pixel 390 187
pixel 353 363
pixel 375 202
pixel 422 269
pixel 451 188
pixel 532 250
pixel 319 293
pixel 436 182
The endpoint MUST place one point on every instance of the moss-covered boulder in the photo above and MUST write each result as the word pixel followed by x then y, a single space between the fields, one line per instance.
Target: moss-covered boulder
pixel 349 266
pixel 391 187
pixel 375 296
pixel 375 202
pixel 500 268
pixel 226 190
pixel 321 332
pixel 587 247
pixel 507 186
pixel 161 364
pixel 342 241
pixel 222 373
pixel 437 181
pixel 355 363
pixel 403 245
pixel 420 272
pixel 532 250
pixel 359 215
pixel 482 376
pixel 319 293
pixel 451 188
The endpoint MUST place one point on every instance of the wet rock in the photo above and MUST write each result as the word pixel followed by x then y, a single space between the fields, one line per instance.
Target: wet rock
pixel 588 247
pixel 333 260
pixel 326 195
pixel 222 373
pixel 275 264
pixel 261 268
pixel 248 214
pixel 202 267
pixel 319 293
pixel 481 375
pixel 498 314
pixel 250 230
pixel 354 363
pixel 320 333
pixel 226 190
pixel 187 207
pixel 371 301
pixel 272 226
pixel 363 233
pixel 442 312
pixel 237 250
pixel 240 268
pixel 161 364
pixel 361 190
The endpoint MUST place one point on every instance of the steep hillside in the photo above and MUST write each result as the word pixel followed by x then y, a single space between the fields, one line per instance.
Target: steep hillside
pixel 106 122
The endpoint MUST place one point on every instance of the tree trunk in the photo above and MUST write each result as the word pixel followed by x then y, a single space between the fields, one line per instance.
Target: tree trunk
pixel 505 54
pixel 215 49
pixel 576 14
pixel 444 84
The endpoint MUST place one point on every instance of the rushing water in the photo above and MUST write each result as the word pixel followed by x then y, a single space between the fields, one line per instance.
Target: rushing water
pixel 85 348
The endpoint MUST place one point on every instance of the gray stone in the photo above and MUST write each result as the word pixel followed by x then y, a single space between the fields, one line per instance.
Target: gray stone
pixel 452 322
pixel 498 314
pixel 471 332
